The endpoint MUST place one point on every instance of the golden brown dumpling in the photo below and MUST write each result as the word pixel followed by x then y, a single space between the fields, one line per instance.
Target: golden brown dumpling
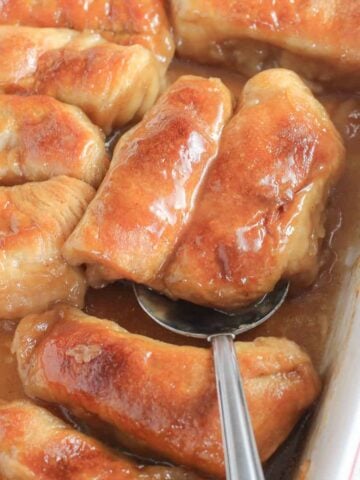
pixel 35 444
pixel 160 397
pixel 261 212
pixel 258 217
pixel 318 38
pixel 126 22
pixel 113 84
pixel 35 220
pixel 41 137
pixel 146 198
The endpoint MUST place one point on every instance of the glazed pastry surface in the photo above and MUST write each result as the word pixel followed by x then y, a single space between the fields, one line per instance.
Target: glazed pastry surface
pixel 42 138
pixel 35 220
pixel 260 215
pixel 149 192
pixel 125 22
pixel 34 444
pixel 111 83
pixel 159 397
pixel 317 38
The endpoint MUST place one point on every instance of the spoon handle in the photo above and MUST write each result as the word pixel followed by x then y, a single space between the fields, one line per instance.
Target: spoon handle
pixel 241 456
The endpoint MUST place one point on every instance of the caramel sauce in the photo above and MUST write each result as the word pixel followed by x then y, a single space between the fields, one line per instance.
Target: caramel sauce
pixel 305 318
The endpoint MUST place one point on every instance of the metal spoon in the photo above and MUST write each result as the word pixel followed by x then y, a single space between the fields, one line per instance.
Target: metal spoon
pixel 241 456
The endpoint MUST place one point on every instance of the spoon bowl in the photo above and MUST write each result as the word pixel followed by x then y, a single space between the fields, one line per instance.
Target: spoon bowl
pixel 192 320
pixel 241 456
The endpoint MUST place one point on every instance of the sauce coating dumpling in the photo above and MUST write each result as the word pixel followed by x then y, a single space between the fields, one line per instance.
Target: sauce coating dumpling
pixel 147 196
pixel 126 22
pixel 35 220
pixel 36 444
pixel 260 215
pixel 317 38
pixel 158 396
pixel 113 84
pixel 42 138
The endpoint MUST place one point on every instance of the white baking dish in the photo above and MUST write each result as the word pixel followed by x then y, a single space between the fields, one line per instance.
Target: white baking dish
pixel 332 451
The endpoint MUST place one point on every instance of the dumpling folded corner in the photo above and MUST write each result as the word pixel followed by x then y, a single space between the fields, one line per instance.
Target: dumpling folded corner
pixel 148 194
pixel 158 396
pixel 34 444
pixel 41 137
pixel 112 84
pixel 260 216
pixel 126 22
pixel 320 40
pixel 35 220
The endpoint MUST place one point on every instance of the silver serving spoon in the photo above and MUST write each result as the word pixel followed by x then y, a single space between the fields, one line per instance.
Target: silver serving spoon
pixel 241 456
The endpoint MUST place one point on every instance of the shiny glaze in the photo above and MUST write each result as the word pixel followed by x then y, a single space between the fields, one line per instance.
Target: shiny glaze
pixel 42 138
pixel 280 150
pixel 35 220
pixel 307 318
pixel 36 444
pixel 74 68
pixel 318 38
pixel 160 397
pixel 259 216
pixel 146 198
pixel 127 22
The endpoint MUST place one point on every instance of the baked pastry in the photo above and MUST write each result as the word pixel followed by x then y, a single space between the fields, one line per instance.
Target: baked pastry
pixel 261 213
pixel 42 138
pixel 35 220
pixel 111 83
pixel 259 216
pixel 159 397
pixel 318 39
pixel 35 444
pixel 126 22
pixel 147 196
